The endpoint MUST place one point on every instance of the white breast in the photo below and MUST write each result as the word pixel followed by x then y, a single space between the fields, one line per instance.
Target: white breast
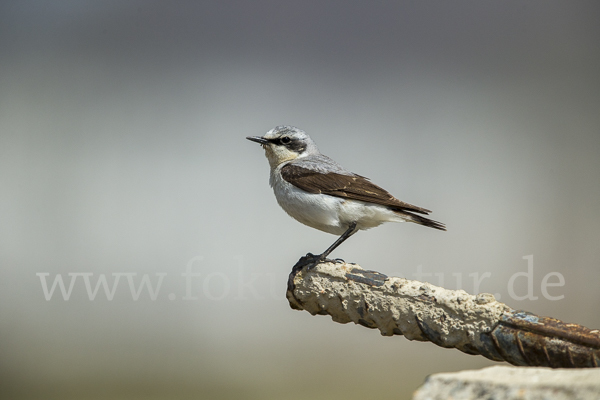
pixel 327 213
pixel 318 211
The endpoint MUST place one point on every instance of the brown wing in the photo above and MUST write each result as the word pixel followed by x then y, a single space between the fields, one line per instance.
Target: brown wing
pixel 354 187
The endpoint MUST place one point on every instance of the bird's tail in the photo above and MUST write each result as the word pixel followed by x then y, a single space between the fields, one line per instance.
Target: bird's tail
pixel 417 219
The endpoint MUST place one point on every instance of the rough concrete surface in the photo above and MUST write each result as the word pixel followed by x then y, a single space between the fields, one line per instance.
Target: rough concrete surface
pixel 397 306
pixel 474 324
pixel 504 383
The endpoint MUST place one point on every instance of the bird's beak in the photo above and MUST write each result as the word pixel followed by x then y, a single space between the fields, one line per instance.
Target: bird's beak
pixel 258 139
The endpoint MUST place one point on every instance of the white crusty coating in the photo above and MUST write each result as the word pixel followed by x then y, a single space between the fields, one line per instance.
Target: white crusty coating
pixel 399 306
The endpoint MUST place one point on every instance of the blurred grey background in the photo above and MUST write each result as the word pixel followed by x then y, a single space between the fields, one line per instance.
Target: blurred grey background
pixel 123 151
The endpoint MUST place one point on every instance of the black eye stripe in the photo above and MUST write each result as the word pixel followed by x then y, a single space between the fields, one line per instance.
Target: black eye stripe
pixel 278 141
pixel 295 145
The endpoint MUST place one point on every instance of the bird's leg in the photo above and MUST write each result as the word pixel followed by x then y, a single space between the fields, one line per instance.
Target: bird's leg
pixel 323 256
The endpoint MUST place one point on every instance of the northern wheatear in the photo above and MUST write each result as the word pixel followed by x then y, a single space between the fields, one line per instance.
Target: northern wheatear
pixel 320 193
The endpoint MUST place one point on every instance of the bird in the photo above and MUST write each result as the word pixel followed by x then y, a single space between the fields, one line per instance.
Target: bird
pixel 320 193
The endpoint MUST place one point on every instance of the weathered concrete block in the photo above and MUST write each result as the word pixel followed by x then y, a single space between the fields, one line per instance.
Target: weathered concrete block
pixel 504 383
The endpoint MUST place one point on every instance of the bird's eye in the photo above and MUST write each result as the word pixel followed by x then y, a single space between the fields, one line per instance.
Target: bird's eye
pixel 285 140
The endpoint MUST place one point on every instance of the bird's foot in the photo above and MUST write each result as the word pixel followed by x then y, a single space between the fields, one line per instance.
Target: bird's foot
pixel 309 260
pixel 314 260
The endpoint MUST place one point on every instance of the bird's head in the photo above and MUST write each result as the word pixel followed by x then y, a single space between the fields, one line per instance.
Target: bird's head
pixel 285 143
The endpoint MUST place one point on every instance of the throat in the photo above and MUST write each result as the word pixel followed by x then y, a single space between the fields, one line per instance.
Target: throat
pixel 279 156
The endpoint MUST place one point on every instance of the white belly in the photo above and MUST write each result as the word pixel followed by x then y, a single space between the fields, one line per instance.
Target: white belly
pixel 328 213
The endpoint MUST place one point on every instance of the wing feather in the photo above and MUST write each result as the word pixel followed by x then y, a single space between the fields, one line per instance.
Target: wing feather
pixel 354 187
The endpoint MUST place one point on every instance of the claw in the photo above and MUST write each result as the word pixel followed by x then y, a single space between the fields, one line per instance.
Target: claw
pixel 309 261
pixel 314 261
